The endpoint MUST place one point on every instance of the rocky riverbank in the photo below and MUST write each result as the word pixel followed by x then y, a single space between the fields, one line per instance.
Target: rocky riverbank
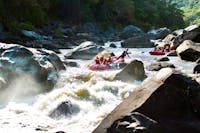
pixel 165 102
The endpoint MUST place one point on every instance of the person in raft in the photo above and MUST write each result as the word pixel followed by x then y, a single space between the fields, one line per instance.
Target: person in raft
pixel 97 60
pixel 125 52
pixel 102 60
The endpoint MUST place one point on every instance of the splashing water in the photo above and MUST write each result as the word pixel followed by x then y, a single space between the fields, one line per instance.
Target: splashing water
pixel 91 93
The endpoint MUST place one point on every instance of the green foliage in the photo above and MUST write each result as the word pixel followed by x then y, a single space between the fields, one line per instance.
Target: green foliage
pixel 31 14
pixel 20 14
pixel 27 26
pixel 158 13
pixel 109 12
pixel 191 10
pixel 145 14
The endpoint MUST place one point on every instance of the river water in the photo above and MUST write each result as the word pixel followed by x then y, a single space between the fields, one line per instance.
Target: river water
pixel 91 93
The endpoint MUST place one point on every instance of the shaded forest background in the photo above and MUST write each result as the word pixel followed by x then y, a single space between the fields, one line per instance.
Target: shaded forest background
pixel 31 14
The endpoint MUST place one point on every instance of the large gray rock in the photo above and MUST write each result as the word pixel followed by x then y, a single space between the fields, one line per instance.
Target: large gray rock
pixel 32 34
pixel 179 36
pixel 169 98
pixel 162 59
pixel 139 41
pixel 131 72
pixel 89 37
pixel 42 65
pixel 160 33
pixel 130 31
pixel 172 53
pixel 88 28
pixel 134 123
pixel 196 69
pixel 3 83
pixel 86 51
pixel 189 51
pixel 63 109
pixel 159 65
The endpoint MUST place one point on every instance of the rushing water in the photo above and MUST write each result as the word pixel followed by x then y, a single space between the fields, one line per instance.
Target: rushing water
pixel 91 93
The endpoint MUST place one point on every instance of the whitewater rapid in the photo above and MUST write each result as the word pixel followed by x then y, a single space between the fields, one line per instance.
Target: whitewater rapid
pixel 91 94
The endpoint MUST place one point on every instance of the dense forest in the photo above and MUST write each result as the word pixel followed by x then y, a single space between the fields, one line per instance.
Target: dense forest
pixel 30 14
pixel 191 10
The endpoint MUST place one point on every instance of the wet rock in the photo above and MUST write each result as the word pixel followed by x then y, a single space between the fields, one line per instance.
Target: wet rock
pixel 71 64
pixel 131 72
pixel 196 69
pixel 130 31
pixel 159 65
pixel 172 53
pixel 32 34
pixel 110 34
pixel 112 45
pixel 122 65
pixel 86 51
pixel 198 61
pixel 168 97
pixel 179 36
pixel 89 28
pixel 60 132
pixel 160 33
pixel 42 65
pixel 139 41
pixel 63 109
pixel 134 123
pixel 89 37
pixel 189 51
pixel 163 59
pixel 198 79
pixel 3 83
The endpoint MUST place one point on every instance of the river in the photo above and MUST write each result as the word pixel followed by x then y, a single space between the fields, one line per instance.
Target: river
pixel 92 95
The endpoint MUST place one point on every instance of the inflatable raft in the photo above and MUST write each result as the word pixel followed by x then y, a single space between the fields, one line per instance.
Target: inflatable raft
pixel 157 52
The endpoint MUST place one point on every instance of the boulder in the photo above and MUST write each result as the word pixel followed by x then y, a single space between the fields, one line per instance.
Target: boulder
pixel 71 63
pixel 139 41
pixel 179 36
pixel 134 123
pixel 198 61
pixel 3 83
pixel 89 28
pixel 189 51
pixel 160 33
pixel 197 79
pixel 172 53
pixel 60 132
pixel 42 65
pixel 163 59
pixel 130 31
pixel 194 33
pixel 196 69
pixel 112 45
pixel 159 65
pixel 86 51
pixel 32 35
pixel 110 34
pixel 131 72
pixel 89 37
pixel 122 65
pixel 168 97
pixel 63 109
